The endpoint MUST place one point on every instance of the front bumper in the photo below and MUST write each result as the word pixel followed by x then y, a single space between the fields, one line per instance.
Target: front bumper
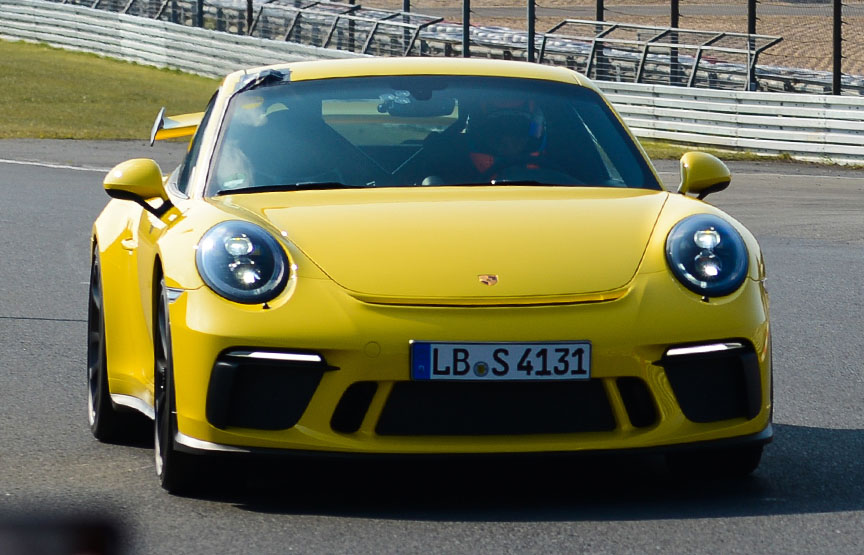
pixel 359 397
pixel 194 446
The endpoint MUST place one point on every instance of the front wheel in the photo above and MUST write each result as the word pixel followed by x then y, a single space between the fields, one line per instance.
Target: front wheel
pixel 106 422
pixel 734 462
pixel 176 470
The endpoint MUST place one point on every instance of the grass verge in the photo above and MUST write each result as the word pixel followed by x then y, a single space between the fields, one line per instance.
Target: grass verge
pixel 659 150
pixel 50 93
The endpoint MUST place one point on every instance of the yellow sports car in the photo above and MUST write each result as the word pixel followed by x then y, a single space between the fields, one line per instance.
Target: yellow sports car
pixel 424 256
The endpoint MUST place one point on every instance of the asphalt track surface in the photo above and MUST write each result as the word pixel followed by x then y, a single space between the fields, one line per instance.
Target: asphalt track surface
pixel 807 497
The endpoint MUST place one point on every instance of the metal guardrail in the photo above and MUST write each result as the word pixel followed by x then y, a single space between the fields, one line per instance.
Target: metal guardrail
pixel 825 128
pixel 605 51
pixel 342 26
pixel 722 60
pixel 647 54
pixel 332 25
pixel 147 41
pixel 820 128
pixel 602 50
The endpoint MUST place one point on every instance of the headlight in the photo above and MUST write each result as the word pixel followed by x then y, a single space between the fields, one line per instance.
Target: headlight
pixel 707 255
pixel 242 262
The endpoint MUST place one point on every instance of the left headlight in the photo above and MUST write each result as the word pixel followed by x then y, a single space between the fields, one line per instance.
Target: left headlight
pixel 707 255
pixel 242 262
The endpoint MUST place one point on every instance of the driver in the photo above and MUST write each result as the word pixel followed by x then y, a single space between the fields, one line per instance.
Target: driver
pixel 506 134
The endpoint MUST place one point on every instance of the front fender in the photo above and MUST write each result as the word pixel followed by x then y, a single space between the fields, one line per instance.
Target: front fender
pixel 128 340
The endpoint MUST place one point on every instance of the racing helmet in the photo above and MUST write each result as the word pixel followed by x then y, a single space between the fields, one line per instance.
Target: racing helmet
pixel 511 129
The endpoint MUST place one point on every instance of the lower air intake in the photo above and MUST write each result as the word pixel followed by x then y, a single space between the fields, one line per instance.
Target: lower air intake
pixel 260 393
pixel 352 407
pixel 714 386
pixel 472 409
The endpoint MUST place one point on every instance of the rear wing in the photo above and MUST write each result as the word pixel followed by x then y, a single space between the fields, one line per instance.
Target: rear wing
pixel 173 127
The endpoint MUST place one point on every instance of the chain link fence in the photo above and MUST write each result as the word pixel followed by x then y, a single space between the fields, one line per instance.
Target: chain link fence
pixel 792 46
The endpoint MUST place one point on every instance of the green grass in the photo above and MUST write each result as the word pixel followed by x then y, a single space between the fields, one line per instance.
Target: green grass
pixel 49 93
pixel 659 150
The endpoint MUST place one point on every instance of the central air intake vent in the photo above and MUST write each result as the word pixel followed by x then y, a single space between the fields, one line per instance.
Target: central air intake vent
pixel 466 409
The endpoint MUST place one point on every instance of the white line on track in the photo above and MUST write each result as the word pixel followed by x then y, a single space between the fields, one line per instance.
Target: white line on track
pixel 53 166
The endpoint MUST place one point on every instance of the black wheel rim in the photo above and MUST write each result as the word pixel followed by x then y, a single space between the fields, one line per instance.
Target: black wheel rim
pixel 162 425
pixel 95 344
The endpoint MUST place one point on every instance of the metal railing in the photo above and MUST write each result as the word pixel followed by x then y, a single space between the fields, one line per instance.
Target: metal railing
pixel 342 26
pixel 658 55
pixel 814 127
pixel 603 50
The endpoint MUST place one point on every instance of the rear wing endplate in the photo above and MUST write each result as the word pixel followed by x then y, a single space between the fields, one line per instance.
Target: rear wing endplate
pixel 173 127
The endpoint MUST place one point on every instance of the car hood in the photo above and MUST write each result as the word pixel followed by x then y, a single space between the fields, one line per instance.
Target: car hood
pixel 474 245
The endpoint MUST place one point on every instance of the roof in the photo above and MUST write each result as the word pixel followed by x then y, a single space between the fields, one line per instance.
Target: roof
pixel 362 67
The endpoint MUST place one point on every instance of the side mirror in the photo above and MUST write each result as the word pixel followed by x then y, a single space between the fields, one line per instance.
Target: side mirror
pixel 703 174
pixel 138 180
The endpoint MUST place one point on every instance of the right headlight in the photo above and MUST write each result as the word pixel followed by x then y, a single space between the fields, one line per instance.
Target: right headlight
pixel 242 262
pixel 707 255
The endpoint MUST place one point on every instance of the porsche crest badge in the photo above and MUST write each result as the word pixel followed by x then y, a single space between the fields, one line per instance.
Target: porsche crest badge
pixel 488 279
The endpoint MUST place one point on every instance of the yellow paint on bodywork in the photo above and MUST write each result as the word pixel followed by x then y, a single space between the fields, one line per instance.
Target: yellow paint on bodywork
pixel 178 126
pixel 330 69
pixel 628 335
pixel 355 283
pixel 701 171
pixel 141 177
pixel 429 245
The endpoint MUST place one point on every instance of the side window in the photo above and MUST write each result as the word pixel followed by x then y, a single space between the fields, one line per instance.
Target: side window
pixel 192 155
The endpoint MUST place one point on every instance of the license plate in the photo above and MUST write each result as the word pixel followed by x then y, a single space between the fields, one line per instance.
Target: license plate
pixel 501 361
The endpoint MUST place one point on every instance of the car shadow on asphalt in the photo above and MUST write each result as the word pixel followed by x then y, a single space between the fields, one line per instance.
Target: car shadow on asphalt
pixel 804 470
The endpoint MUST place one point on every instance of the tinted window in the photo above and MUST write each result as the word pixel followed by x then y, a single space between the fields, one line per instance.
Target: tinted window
pixel 424 130
pixel 191 157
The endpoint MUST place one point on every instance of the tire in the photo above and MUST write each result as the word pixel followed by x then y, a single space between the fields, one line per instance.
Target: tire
pixel 178 472
pixel 736 462
pixel 107 424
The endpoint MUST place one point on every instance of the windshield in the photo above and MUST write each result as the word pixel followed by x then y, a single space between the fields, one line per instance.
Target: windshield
pixel 422 131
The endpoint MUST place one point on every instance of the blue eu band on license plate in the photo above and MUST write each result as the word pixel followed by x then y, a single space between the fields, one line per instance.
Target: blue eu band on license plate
pixel 501 361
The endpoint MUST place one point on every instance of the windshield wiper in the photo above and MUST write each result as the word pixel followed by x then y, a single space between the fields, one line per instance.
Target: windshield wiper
pixel 532 182
pixel 302 186
pixel 497 182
